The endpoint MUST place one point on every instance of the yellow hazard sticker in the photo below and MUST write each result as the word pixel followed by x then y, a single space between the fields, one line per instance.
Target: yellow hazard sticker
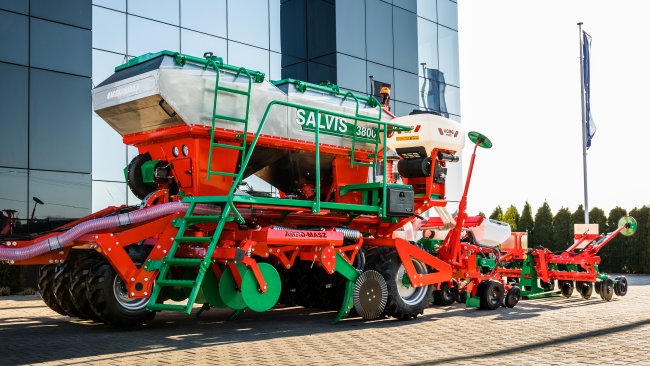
pixel 403 138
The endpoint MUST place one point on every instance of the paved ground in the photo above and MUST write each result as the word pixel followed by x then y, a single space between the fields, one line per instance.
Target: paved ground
pixel 548 331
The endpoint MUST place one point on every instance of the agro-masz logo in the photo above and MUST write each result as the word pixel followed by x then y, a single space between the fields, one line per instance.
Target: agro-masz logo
pixel 332 125
pixel 448 132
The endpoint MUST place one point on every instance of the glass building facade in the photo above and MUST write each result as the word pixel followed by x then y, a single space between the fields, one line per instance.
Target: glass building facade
pixel 53 52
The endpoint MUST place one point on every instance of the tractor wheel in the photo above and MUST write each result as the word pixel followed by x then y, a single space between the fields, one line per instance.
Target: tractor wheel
pixel 79 273
pixel 547 286
pixel 446 295
pixel 62 283
pixel 620 286
pixel 306 286
pixel 607 289
pixel 585 289
pixel 566 287
pixel 512 297
pixel 46 287
pixel 108 298
pixel 404 300
pixel 135 179
pixel 491 294
pixel 462 297
pixel 597 286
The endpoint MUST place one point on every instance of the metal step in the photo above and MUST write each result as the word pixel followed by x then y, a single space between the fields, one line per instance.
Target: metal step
pixel 200 219
pixel 193 239
pixel 183 262
pixel 175 283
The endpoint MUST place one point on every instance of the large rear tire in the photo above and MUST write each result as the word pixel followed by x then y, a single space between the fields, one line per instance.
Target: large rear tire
pixel 62 288
pixel 108 298
pixel 79 273
pixel 46 287
pixel 404 300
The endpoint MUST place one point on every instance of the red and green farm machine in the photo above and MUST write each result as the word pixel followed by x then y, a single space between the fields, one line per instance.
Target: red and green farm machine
pixel 347 226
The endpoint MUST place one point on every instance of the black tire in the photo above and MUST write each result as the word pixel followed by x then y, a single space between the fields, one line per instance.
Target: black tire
pixel 512 297
pixel 135 180
pixel 412 301
pixel 491 294
pixel 446 295
pixel 462 297
pixel 547 286
pixel 79 273
pixel 597 286
pixel 566 288
pixel 62 285
pixel 607 289
pixel 46 287
pixel 585 289
pixel 103 296
pixel 620 286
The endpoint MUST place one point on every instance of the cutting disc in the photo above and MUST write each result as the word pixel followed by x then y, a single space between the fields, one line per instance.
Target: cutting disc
pixel 630 225
pixel 370 295
pixel 481 139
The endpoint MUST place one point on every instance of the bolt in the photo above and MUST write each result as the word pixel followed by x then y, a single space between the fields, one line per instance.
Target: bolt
pixel 11 261
pixel 51 261
pixel 96 237
pixel 117 243
pixel 164 251
pixel 109 249
pixel 158 247
pixel 146 293
pixel 132 294
pixel 61 253
pixel 146 279
pixel 288 266
pixel 270 250
pixel 132 279
pixel 111 234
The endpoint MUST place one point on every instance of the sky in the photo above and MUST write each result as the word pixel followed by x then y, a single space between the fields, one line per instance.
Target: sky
pixel 520 86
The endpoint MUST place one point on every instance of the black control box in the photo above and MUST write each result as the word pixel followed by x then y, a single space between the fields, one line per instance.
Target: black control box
pixel 400 201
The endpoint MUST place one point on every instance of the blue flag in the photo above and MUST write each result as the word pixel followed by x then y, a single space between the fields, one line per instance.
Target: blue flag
pixel 586 49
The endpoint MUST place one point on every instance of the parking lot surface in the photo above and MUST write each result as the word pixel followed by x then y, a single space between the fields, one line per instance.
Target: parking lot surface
pixel 538 332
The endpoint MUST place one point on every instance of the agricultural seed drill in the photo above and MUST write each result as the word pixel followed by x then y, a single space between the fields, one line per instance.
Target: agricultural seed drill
pixel 329 238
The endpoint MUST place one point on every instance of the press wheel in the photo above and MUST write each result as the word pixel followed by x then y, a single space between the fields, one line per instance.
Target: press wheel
pixel 253 296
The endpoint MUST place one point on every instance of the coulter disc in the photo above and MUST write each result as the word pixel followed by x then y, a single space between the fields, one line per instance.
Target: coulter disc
pixel 253 297
pixel 370 294
pixel 228 290
pixel 630 225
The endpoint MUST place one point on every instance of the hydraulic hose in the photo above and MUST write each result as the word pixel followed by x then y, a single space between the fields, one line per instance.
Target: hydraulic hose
pixel 102 223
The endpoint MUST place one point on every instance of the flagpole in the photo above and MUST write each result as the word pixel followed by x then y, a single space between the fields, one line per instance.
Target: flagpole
pixel 584 125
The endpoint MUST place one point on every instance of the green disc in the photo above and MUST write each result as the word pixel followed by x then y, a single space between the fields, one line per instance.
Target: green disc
pixel 210 290
pixel 230 295
pixel 480 139
pixel 255 299
pixel 630 225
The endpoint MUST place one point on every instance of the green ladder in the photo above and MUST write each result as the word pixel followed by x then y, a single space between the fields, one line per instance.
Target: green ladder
pixel 201 264
pixel 217 63
pixel 355 138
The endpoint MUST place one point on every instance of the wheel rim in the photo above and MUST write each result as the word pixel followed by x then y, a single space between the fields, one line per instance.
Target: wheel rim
pixel 409 294
pixel 122 296
pixel 494 296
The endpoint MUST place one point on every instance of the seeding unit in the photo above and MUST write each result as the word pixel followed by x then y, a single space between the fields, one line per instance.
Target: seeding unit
pixel 349 175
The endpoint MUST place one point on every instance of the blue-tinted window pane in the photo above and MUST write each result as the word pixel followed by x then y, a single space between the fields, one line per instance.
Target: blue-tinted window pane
pixel 14 38
pixel 452 97
pixel 207 16
pixel 109 30
pixel 248 22
pixel 150 36
pixel 196 44
pixel 427 45
pixel 296 71
pixel 351 73
pixel 13 195
pixel 380 73
pixel 379 22
pixel 108 194
pixel 19 6
pixel 13 126
pixel 60 47
pixel 274 26
pixel 433 96
pixel 403 109
pixel 108 152
pixel 249 57
pixel 161 10
pixel 65 195
pixel 113 4
pixel 104 64
pixel 350 32
pixel 405 38
pixel 410 5
pixel 73 12
pixel 427 9
pixel 321 28
pixel 318 73
pixel 59 130
pixel 449 55
pixel 448 13
pixel 294 31
pixel 405 88
pixel 275 72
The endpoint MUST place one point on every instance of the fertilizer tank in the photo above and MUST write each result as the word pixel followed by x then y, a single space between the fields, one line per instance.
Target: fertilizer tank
pixel 159 91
